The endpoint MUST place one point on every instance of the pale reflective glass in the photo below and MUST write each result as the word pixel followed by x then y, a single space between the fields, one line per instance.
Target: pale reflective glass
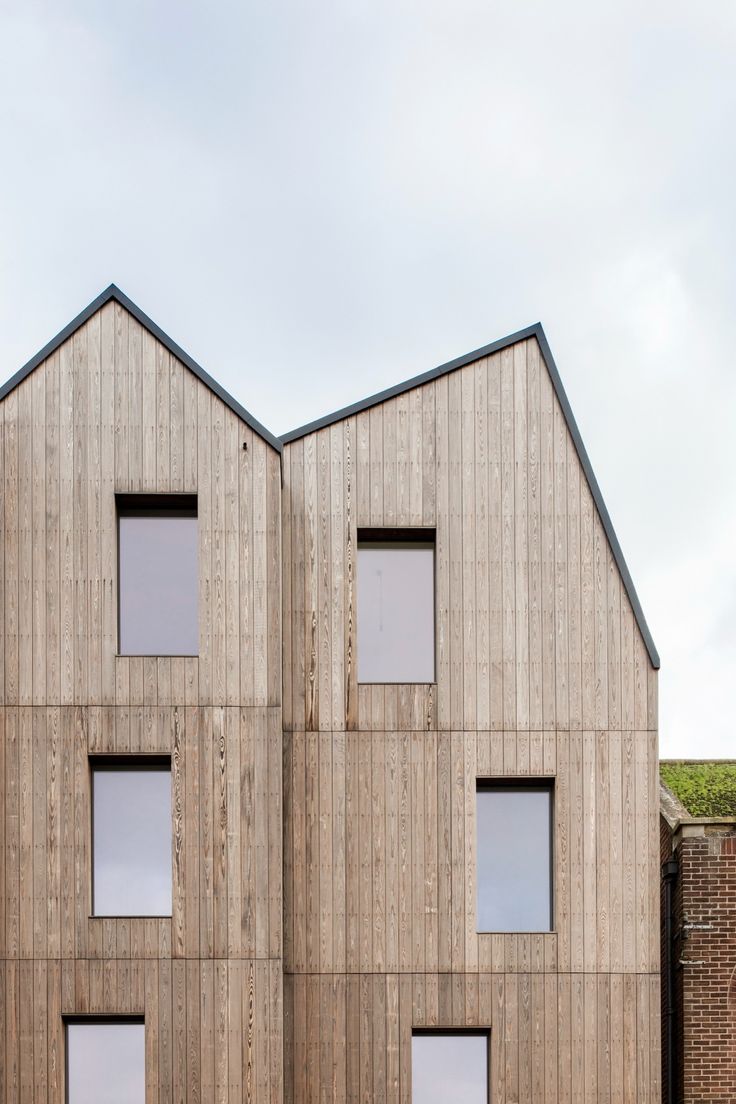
pixel 106 1063
pixel 131 840
pixel 448 1069
pixel 396 613
pixel 513 856
pixel 158 586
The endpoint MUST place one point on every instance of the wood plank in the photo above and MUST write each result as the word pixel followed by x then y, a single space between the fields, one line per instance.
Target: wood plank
pixel 508 531
pixel 37 434
pixel 25 546
pixel 442 556
pixel 455 547
pixel 325 783
pixel 480 475
pixel 418 859
pixel 535 523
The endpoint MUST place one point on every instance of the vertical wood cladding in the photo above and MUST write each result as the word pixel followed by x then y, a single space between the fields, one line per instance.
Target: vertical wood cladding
pixel 541 673
pixel 249 995
pixel 112 410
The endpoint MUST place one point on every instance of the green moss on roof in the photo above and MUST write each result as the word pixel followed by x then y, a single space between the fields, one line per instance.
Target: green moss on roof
pixel 706 789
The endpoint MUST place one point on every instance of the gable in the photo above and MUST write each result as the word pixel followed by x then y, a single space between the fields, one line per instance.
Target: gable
pixel 505 345
pixel 114 294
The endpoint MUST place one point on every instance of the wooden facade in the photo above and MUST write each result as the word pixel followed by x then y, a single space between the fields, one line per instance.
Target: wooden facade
pixel 542 672
pixel 112 410
pixel 360 800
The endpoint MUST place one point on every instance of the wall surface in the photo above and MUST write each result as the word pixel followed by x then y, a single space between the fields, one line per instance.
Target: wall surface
pixel 111 410
pixel 541 673
pixel 705 949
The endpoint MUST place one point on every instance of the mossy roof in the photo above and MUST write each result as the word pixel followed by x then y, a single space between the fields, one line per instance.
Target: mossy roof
pixel 707 788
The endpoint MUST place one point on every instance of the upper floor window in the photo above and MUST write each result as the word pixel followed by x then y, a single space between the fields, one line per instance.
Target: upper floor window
pixel 449 1066
pixel 131 836
pixel 105 1061
pixel 395 587
pixel 158 576
pixel 514 856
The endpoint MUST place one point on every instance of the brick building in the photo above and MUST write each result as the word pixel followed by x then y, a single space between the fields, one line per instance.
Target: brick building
pixel 698 840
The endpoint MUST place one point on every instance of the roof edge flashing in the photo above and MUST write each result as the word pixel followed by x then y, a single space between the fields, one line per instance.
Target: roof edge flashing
pixel 535 330
pixel 113 292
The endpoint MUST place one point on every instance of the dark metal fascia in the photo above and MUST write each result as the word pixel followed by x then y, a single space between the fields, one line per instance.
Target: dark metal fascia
pixel 114 293
pixel 537 332
pixel 407 385
pixel 598 497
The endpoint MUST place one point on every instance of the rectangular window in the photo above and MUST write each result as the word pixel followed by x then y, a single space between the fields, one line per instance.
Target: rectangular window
pixel 131 836
pixel 395 589
pixel 158 576
pixel 105 1061
pixel 514 855
pixel 449 1066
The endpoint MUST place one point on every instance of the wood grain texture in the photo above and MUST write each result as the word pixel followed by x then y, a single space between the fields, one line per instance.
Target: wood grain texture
pixel 358 799
pixel 541 673
pixel 113 411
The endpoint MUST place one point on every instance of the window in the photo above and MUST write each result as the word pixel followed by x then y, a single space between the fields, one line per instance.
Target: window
pixel 105 1061
pixel 514 849
pixel 158 576
pixel 449 1066
pixel 395 605
pixel 131 836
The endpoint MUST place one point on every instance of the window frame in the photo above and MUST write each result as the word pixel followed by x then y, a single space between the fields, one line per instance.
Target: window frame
pixel 398 538
pixel 453 1029
pixel 115 762
pixel 89 1019
pixel 172 505
pixel 520 784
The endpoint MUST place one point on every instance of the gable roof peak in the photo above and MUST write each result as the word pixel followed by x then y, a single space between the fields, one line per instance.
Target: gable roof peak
pixel 535 330
pixel 113 293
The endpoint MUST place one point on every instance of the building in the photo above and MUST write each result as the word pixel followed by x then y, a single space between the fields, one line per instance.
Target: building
pixel 387 678
pixel 698 839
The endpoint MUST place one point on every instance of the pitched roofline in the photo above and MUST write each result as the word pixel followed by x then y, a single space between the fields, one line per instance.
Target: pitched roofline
pixel 536 331
pixel 114 293
pixel 410 384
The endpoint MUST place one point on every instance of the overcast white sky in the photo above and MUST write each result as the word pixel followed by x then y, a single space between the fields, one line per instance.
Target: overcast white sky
pixel 318 200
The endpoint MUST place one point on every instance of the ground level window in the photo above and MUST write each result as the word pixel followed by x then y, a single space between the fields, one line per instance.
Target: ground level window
pixel 105 1061
pixel 449 1066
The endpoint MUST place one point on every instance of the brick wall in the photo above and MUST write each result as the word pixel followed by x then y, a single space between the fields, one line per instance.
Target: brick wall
pixel 706 977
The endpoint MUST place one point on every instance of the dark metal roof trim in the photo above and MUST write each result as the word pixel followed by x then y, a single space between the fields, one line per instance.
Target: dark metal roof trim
pixel 408 385
pixel 114 293
pixel 536 331
pixel 598 497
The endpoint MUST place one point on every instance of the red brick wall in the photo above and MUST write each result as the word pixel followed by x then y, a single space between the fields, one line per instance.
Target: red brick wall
pixel 665 853
pixel 706 989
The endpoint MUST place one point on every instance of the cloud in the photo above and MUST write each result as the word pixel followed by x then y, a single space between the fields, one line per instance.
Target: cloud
pixel 319 200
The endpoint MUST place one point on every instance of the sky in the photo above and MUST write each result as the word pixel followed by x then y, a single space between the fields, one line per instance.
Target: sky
pixel 319 200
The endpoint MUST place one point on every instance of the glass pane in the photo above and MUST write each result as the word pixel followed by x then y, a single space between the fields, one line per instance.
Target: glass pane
pixel 106 1063
pixel 132 842
pixel 396 614
pixel 513 849
pixel 159 586
pixel 446 1069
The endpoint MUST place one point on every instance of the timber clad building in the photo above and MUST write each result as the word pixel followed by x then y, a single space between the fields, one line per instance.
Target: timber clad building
pixel 328 763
